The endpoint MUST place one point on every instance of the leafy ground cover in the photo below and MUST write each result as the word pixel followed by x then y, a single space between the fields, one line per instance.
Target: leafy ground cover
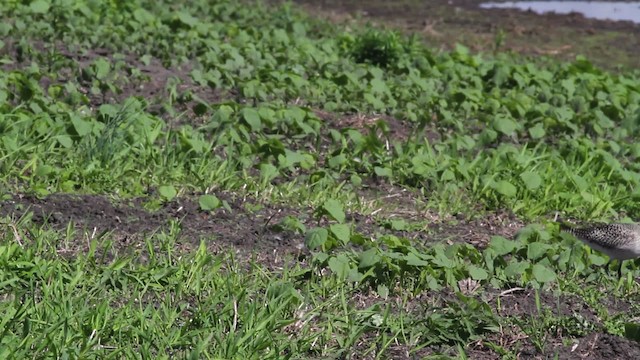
pixel 220 180
pixel 445 23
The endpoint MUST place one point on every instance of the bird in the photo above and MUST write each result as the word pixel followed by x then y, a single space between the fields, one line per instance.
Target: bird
pixel 618 241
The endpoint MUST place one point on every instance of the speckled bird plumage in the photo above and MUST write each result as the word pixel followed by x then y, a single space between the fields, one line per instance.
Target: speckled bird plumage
pixel 618 241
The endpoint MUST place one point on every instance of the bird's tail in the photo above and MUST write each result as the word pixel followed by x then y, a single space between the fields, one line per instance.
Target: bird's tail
pixel 565 226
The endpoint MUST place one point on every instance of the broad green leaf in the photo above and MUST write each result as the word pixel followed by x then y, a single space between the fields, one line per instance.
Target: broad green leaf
pixel 40 6
pixel 569 86
pixel 290 158
pixel 339 265
pixel 252 118
pixel 543 274
pixel 501 246
pixel 477 273
pixel 266 114
pixel 333 207
pixel 268 172
pixel 489 256
pixel 414 260
pixel 504 124
pixel 356 180
pixel 102 68
pixel 531 180
pixel 320 257
pixel 108 110
pixel 187 19
pixel 537 131
pixel 143 16
pixel 516 269
pixel 383 171
pixel 337 161
pixel 536 249
pixel 65 141
pixel 597 259
pixel 354 275
pixel 441 259
pixel 383 291
pixel 378 86
pixel 342 232
pixel 399 224
pixel 368 258
pixel 209 202
pixel 563 260
pixel 447 176
pixel 81 126
pixel 392 241
pixel 316 238
pixel 168 192
pixel 374 101
pixel 221 116
pixel 44 170
pixel 506 188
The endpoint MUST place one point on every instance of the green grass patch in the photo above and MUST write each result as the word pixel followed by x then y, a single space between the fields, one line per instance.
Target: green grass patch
pixel 271 105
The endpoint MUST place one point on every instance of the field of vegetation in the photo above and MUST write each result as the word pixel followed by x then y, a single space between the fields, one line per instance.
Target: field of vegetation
pixel 224 180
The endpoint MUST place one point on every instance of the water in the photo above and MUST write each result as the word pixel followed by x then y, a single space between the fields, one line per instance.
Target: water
pixel 601 10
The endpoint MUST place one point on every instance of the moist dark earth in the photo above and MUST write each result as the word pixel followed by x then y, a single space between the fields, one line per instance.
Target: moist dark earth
pixel 255 230
pixel 245 226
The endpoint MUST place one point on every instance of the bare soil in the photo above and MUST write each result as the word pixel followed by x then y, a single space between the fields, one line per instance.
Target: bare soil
pixel 247 227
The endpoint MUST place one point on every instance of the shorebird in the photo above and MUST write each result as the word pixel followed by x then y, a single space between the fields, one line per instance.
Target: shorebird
pixel 618 241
